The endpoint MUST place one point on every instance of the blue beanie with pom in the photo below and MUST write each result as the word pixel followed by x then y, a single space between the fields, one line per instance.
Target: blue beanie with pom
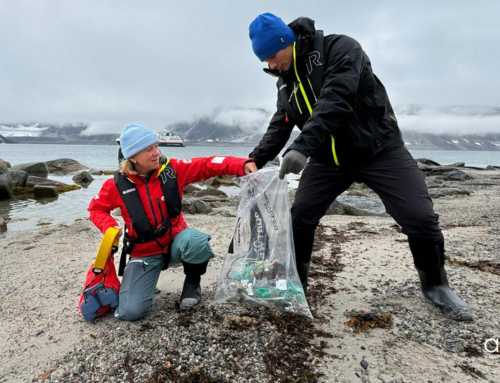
pixel 135 138
pixel 269 34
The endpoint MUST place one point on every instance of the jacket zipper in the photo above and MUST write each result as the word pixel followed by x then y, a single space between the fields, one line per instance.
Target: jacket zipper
pixel 159 208
pixel 334 151
pixel 150 201
pixel 295 89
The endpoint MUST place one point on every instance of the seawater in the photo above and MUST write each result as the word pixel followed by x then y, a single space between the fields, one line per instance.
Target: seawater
pixel 25 213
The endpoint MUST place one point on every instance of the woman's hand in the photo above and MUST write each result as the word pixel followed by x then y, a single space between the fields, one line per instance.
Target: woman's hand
pixel 120 232
pixel 250 167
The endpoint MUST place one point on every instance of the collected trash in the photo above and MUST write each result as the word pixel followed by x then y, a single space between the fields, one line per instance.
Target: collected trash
pixel 259 268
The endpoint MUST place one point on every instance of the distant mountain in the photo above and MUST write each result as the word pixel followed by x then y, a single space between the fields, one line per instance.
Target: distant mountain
pixel 426 141
pixel 423 127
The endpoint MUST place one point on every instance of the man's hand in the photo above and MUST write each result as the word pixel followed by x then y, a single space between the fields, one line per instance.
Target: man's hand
pixel 293 162
pixel 250 167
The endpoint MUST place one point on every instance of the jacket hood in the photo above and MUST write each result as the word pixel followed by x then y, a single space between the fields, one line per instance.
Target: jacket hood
pixel 304 28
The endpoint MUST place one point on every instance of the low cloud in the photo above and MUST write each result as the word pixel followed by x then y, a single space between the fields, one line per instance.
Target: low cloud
pixel 459 120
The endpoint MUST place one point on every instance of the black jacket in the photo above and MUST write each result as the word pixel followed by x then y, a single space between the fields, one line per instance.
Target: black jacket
pixel 332 95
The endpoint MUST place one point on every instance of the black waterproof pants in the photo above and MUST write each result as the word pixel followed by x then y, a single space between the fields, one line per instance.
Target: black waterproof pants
pixel 393 175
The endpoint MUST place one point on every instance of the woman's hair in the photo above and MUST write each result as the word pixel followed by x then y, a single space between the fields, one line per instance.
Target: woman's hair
pixel 126 166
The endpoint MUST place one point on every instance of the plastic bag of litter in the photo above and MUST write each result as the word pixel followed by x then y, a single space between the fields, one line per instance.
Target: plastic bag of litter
pixel 259 268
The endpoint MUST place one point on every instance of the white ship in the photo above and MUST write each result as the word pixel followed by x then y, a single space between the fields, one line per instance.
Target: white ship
pixel 169 139
pixel 166 139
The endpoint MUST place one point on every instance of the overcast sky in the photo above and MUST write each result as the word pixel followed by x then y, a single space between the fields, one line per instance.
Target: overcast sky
pixel 158 62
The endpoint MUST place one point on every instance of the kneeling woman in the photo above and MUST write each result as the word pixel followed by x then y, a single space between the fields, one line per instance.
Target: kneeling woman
pixel 148 190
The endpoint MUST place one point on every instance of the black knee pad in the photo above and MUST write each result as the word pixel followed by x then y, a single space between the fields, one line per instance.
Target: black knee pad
pixel 195 269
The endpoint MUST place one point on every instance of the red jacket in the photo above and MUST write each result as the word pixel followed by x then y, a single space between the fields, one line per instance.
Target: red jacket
pixel 187 171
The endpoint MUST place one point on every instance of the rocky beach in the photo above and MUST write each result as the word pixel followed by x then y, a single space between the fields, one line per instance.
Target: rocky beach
pixel 372 323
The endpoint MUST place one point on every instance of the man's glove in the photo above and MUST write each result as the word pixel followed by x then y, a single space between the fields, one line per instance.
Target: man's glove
pixel 293 162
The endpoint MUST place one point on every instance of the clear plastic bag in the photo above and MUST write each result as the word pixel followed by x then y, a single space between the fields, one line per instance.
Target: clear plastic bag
pixel 259 268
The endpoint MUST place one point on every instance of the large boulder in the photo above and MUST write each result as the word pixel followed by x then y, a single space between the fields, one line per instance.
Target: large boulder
pixel 209 191
pixel 195 206
pixel 456 175
pixel 65 165
pixel 83 177
pixel 32 181
pixel 19 178
pixel 5 182
pixel 42 191
pixel 38 169
pixel 3 225
pixel 339 208
pixel 7 164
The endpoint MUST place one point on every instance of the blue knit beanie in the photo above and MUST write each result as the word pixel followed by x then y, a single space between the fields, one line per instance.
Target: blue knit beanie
pixel 269 34
pixel 135 138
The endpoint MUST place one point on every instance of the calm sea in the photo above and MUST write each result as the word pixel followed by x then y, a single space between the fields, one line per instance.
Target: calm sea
pixel 25 213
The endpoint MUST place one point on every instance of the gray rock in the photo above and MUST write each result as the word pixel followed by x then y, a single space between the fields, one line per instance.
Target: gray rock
pixel 427 161
pixel 32 181
pixel 339 208
pixel 42 191
pixel 190 189
pixel 213 182
pixel 447 193
pixel 19 178
pixel 336 208
pixel 491 167
pixel 96 172
pixel 3 225
pixel 4 164
pixel 425 168
pixel 440 170
pixel 83 177
pixel 457 165
pixel 5 182
pixel 274 162
pixel 38 169
pixel 457 175
pixel 434 182
pixel 364 364
pixel 64 165
pixel 195 206
pixel 209 191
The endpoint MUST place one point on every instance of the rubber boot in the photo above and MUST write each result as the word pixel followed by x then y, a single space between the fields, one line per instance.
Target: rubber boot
pixel 429 261
pixel 191 291
pixel 303 240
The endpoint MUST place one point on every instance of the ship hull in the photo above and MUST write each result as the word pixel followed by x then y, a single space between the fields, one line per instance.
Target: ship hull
pixel 162 144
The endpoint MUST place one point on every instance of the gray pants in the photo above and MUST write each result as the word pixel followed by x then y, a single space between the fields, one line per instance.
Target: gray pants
pixel 141 274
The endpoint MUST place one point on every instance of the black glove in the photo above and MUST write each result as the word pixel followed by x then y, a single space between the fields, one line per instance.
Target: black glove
pixel 293 162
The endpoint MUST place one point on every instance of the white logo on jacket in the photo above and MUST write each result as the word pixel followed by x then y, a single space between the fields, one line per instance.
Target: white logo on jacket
pixel 128 191
pixel 312 58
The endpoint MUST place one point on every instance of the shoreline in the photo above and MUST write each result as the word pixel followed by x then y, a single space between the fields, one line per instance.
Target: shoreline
pixel 360 264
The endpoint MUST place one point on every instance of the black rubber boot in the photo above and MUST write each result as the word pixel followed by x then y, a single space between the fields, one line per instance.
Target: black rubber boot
pixel 429 261
pixel 303 270
pixel 191 291
pixel 303 240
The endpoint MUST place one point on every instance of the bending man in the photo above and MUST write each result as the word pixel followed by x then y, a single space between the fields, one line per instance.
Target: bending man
pixel 349 132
